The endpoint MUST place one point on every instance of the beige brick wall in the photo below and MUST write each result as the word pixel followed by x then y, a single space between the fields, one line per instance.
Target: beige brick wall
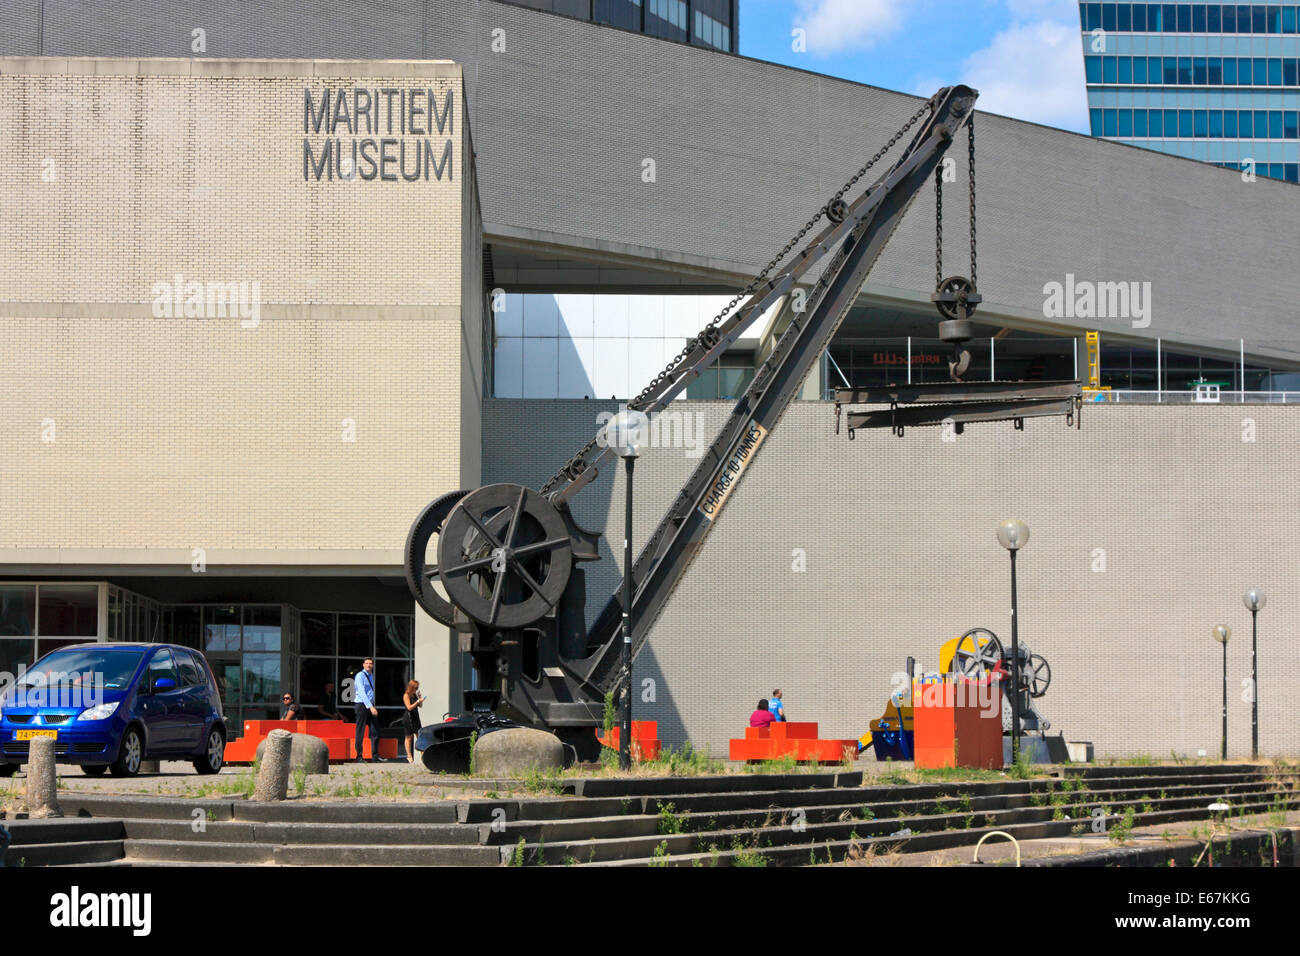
pixel 901 555
pixel 176 433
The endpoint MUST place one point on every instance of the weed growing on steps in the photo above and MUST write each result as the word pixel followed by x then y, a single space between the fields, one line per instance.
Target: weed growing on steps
pixel 669 821
pixel 543 781
pixel 1022 769
pixel 517 858
pixel 661 856
pixel 608 756
pixel 1123 829
pixel 747 856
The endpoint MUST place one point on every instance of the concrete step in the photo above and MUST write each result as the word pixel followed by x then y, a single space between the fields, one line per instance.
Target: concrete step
pixel 821 845
pixel 383 834
pixel 189 851
pixel 351 855
pixel 62 830
pixel 198 851
pixel 289 811
pixel 558 831
pixel 729 783
pixel 64 853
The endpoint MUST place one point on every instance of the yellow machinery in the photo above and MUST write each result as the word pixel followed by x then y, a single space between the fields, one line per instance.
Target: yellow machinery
pixel 1094 386
pixel 974 656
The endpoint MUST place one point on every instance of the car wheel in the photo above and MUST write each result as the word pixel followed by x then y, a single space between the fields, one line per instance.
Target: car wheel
pixel 8 769
pixel 129 755
pixel 94 770
pixel 214 753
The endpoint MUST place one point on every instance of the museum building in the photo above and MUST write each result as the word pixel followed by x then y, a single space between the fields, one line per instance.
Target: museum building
pixel 263 302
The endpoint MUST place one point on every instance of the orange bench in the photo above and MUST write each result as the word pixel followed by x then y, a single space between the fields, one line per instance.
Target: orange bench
pixel 339 737
pixel 645 739
pixel 784 739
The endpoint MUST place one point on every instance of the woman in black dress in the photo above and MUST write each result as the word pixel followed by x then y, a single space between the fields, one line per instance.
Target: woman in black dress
pixel 411 702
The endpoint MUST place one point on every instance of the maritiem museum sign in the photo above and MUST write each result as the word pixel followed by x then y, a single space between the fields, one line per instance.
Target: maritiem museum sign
pixel 389 134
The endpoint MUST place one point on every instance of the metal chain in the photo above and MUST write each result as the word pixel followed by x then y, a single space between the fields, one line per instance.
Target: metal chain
pixel 938 225
pixel 970 134
pixel 646 394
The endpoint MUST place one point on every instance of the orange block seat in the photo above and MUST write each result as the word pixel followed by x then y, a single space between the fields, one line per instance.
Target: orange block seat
pixel 339 737
pixel 797 739
pixel 645 739
pixel 956 728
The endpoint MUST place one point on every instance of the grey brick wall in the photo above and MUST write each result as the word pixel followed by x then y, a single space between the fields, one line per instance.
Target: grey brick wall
pixel 745 150
pixel 901 556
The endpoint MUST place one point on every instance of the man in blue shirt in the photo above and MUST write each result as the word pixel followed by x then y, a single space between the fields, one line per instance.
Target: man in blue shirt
pixel 776 705
pixel 363 686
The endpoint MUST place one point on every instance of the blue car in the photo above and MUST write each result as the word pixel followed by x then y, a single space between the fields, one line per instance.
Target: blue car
pixel 111 706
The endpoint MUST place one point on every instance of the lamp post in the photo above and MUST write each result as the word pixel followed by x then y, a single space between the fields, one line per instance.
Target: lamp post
pixel 1254 599
pixel 1013 534
pixel 626 433
pixel 1221 634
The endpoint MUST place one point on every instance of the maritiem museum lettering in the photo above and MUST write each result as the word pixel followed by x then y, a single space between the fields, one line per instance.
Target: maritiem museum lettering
pixel 390 134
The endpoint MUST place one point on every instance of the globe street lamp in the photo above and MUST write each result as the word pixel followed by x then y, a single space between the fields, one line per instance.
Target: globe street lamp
pixel 1254 599
pixel 1013 535
pixel 626 433
pixel 1221 634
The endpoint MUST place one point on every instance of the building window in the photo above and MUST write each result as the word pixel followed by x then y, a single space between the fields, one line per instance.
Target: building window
pixel 618 13
pixel 334 645
pixel 727 379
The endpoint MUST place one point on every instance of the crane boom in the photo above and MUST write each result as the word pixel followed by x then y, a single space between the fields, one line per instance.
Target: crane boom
pixel 857 241
pixel 507 576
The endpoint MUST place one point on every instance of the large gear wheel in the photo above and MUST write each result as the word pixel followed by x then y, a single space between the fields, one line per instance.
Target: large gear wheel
pixel 421 577
pixel 978 652
pixel 504 556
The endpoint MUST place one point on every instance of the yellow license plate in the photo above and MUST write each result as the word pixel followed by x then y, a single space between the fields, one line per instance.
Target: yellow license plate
pixel 29 734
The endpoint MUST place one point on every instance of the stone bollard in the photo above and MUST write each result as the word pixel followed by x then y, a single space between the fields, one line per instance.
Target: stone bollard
pixel 307 753
pixel 273 774
pixel 42 781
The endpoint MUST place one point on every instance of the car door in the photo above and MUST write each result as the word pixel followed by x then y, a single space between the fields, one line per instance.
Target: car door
pixel 194 698
pixel 161 711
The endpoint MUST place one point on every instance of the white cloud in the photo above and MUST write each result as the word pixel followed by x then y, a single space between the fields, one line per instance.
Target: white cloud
pixel 834 25
pixel 1033 70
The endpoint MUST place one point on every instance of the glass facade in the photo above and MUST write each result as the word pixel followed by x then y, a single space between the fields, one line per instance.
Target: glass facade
pixel 1219 83
pixel 257 651
pixel 333 648
pixel 708 23
pixel 38 618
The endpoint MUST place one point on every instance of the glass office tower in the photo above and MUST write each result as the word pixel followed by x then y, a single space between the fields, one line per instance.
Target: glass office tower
pixel 1215 82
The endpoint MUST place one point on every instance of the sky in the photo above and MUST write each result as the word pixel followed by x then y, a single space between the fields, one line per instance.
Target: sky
pixel 1024 56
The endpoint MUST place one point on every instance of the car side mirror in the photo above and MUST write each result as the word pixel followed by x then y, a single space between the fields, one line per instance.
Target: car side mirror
pixel 163 684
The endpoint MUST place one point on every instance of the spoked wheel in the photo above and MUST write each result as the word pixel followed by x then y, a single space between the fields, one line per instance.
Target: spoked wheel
pixel 421 575
pixel 978 652
pixel 1039 675
pixel 504 556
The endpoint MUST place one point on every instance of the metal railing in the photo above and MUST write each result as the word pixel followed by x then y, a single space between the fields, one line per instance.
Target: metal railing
pixel 1196 397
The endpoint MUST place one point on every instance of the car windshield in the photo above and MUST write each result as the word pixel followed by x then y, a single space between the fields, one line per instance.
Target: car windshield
pixel 108 668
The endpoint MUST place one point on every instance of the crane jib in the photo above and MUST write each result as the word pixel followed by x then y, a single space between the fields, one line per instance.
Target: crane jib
pixel 727 479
